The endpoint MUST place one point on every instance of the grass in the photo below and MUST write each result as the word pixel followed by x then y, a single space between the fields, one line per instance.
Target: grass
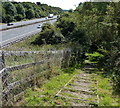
pixel 2 23
pixel 49 90
pixel 52 66
pixel 105 92
pixel 25 45
pixel 27 72
pixel 52 86
pixel 22 59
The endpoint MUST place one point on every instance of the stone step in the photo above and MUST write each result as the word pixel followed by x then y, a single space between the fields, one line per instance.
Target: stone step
pixel 85 81
pixel 81 100
pixel 80 85
pixel 80 95
pixel 85 78
pixel 80 90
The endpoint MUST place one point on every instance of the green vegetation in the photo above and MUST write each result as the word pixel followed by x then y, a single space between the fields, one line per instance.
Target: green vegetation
pixel 105 91
pixel 94 57
pixel 92 31
pixel 96 28
pixel 45 95
pixel 17 11
pixel 49 35
pixel 30 44
pixel 22 59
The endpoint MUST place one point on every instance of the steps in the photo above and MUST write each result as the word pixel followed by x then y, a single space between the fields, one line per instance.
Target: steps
pixel 81 90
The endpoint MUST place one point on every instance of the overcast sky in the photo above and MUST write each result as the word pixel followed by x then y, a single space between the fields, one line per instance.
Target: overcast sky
pixel 64 4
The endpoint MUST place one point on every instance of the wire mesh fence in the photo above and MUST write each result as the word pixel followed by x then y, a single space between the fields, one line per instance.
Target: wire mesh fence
pixel 26 69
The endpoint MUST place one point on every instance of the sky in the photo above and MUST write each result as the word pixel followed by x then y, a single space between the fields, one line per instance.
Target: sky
pixel 64 4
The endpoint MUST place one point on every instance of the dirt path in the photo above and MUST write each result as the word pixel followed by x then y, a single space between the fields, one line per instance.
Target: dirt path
pixel 81 89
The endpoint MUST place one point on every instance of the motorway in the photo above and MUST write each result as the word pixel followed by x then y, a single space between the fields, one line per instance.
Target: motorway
pixel 15 34
pixel 15 24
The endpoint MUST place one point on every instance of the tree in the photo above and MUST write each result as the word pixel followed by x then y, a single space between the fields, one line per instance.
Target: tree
pixel 27 5
pixel 71 10
pixel 38 3
pixel 9 18
pixel 9 8
pixel 19 17
pixel 3 15
pixel 67 26
pixel 37 15
pixel 30 14
pixel 20 9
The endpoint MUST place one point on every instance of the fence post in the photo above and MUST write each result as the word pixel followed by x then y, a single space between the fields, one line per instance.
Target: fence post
pixel 48 63
pixel 1 88
pixel 3 80
pixel 1 83
pixel 2 63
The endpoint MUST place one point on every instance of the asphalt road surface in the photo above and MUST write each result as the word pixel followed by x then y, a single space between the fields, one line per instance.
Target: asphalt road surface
pixel 15 34
pixel 4 26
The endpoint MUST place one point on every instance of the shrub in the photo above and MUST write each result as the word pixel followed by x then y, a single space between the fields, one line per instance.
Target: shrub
pixel 49 35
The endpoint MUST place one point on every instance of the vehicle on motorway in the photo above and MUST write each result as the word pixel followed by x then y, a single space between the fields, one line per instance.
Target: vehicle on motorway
pixel 50 16
pixel 39 26
pixel 46 18
pixel 9 24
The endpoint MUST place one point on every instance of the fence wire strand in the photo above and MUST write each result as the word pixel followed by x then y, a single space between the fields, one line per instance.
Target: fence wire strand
pixel 25 69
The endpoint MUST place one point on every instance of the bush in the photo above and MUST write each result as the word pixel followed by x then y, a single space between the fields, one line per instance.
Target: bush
pixel 49 35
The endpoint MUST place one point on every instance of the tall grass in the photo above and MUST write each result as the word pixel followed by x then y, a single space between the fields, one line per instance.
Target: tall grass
pixel 45 95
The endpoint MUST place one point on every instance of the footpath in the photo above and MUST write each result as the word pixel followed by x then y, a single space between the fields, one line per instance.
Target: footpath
pixel 81 89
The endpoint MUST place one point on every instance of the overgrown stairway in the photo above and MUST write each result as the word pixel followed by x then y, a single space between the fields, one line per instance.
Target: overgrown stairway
pixel 81 89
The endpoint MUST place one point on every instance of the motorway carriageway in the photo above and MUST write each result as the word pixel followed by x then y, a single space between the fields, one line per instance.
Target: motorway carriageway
pixel 23 23
pixel 15 34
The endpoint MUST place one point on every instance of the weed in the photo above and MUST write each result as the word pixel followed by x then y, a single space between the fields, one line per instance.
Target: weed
pixel 104 91
pixel 48 91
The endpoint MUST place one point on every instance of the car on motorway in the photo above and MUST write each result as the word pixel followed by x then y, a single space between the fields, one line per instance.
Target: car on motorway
pixel 9 24
pixel 39 26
